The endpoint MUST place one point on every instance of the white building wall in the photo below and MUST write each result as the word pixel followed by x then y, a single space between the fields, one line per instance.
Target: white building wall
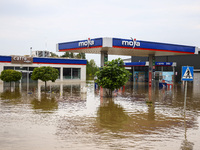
pixel 1 66
pixel 83 73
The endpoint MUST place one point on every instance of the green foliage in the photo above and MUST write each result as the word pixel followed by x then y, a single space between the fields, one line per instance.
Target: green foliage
pixel 80 56
pixel 66 54
pixel 72 55
pixel 91 68
pixel 53 54
pixel 113 75
pixel 45 74
pixel 10 75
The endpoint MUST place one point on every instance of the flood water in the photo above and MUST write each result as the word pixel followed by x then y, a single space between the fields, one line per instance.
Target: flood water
pixel 136 117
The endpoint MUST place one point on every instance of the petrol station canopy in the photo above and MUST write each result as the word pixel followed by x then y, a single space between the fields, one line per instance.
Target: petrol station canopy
pixel 128 47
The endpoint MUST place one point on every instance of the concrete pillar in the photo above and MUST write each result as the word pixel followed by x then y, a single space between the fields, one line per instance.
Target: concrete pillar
pixel 61 73
pixel 174 74
pixel 151 73
pixel 61 90
pixel 162 69
pixel 27 81
pixel 39 91
pixel 133 73
pixel 104 57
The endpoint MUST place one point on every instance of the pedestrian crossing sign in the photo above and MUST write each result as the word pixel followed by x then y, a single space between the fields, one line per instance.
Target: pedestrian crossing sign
pixel 187 73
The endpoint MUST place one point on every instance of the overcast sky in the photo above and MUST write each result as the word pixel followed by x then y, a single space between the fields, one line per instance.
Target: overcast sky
pixel 41 24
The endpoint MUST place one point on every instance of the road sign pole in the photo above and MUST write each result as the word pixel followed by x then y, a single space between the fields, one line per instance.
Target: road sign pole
pixel 185 97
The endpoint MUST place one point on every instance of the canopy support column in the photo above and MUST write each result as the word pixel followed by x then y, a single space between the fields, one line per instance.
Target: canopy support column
pixel 104 57
pixel 174 74
pixel 151 68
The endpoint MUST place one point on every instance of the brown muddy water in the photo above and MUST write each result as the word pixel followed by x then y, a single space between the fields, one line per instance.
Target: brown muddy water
pixel 66 117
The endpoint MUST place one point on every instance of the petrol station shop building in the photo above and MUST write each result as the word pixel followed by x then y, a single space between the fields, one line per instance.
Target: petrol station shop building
pixel 69 69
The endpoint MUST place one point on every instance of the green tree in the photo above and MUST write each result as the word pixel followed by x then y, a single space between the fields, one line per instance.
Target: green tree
pixel 71 55
pixel 45 74
pixel 82 55
pixel 78 55
pixel 113 75
pixel 53 54
pixel 91 68
pixel 10 75
pixel 92 63
pixel 66 54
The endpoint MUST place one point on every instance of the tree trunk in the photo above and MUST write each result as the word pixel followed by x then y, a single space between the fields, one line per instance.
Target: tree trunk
pixel 10 85
pixel 45 86
pixel 110 93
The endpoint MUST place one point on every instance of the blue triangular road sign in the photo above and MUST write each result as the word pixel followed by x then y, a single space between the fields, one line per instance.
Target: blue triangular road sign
pixel 187 73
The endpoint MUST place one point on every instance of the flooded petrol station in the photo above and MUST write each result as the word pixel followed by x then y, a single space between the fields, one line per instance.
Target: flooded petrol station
pixel 78 116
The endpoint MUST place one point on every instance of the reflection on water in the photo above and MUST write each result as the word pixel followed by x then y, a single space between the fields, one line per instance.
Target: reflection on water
pixel 186 145
pixel 111 116
pixel 45 103
pixel 70 116
pixel 9 95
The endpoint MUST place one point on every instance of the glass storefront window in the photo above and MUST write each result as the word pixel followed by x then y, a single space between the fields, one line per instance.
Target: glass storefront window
pixel 76 73
pixel 158 68
pixel 59 72
pixel 31 68
pixel 8 67
pixel 21 68
pixel 167 68
pixel 71 73
pixel 67 74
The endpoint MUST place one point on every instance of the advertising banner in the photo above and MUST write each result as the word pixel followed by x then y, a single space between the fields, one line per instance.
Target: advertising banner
pixel 90 43
pixel 21 60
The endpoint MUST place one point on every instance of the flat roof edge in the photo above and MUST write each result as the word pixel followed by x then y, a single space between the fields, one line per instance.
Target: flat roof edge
pixel 197 50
